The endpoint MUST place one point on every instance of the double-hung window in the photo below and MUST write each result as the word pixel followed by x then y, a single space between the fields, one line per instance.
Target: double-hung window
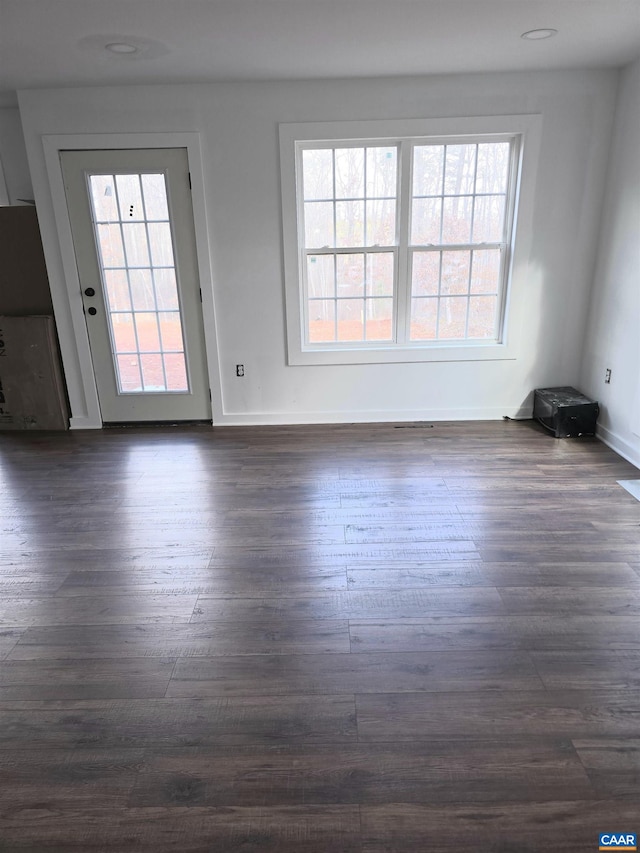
pixel 403 243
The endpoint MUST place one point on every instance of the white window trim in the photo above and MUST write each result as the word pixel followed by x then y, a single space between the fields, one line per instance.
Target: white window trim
pixel 527 127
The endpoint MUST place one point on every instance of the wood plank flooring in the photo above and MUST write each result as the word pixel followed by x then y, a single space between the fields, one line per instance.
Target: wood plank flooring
pixel 337 639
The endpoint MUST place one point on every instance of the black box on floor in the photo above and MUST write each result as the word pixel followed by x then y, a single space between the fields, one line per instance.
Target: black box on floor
pixel 565 411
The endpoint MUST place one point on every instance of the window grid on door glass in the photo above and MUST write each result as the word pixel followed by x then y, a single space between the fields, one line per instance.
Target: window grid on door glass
pixel 350 204
pixel 135 251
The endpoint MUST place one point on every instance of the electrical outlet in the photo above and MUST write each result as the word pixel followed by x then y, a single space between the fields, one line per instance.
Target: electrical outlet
pixel 239 369
pixel 607 376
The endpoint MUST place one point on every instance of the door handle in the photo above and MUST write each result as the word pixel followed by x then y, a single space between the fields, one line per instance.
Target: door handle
pixel 90 292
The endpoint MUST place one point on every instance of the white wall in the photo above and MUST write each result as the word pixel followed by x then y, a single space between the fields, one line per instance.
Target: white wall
pixel 613 337
pixel 13 156
pixel 238 123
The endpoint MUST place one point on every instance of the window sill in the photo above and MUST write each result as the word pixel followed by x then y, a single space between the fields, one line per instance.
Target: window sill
pixel 398 355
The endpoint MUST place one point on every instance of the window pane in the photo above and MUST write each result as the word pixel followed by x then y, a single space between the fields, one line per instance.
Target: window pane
pixel 161 244
pixel 103 195
pixel 425 221
pixel 317 171
pixel 152 372
pixel 424 315
pixel 456 219
pixel 459 169
pixel 349 223
pixel 425 274
pixel 493 167
pixel 428 165
pixel 452 317
pixel 117 288
pixel 135 243
pixel 155 196
pixel 129 198
pixel 142 290
pixel 322 320
pixel 110 244
pixel 381 222
pixel 350 275
pixel 129 373
pixel 147 328
pixel 166 289
pixel 485 271
pixel 382 172
pixel 488 220
pixel 176 372
pixel 380 274
pixel 124 337
pixel 351 319
pixel 379 319
pixel 170 331
pixel 482 316
pixel 349 172
pixel 455 273
pixel 318 224
pixel 320 276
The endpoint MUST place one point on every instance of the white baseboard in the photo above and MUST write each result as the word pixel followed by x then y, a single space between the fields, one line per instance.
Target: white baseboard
pixel 373 416
pixel 83 423
pixel 621 447
pixel 355 417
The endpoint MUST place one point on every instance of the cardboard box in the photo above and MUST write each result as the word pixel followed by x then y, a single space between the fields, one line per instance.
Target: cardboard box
pixel 32 391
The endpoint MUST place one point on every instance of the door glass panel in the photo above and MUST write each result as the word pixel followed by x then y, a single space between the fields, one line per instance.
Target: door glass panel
pixel 142 290
pixel 166 289
pixel 147 331
pixel 136 256
pixel 160 243
pixel 135 245
pixel 129 373
pixel 175 371
pixel 110 246
pixel 170 331
pixel 155 198
pixel 124 335
pixel 117 286
pixel 153 372
pixel 106 203
pixel 130 198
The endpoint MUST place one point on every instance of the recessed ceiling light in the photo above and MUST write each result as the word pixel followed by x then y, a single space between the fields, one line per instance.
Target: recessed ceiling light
pixel 121 47
pixel 536 35
pixel 126 47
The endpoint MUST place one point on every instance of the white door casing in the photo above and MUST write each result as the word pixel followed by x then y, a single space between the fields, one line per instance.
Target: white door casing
pixel 133 234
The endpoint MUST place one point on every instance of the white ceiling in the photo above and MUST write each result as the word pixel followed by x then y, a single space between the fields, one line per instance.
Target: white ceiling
pixel 46 43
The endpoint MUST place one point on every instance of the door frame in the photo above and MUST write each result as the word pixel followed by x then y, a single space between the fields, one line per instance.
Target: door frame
pixel 67 295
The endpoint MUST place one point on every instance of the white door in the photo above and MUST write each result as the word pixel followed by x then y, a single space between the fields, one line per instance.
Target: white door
pixel 132 224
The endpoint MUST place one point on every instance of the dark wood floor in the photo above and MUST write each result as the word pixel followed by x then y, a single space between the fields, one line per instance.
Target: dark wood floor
pixel 317 640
